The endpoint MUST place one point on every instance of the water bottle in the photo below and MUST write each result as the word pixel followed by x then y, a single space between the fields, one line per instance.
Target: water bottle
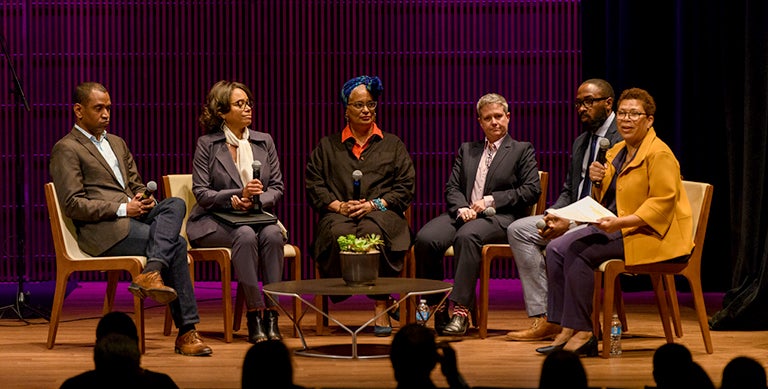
pixel 615 336
pixel 422 313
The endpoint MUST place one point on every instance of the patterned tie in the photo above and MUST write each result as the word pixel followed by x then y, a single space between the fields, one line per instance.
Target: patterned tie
pixel 482 172
pixel 586 187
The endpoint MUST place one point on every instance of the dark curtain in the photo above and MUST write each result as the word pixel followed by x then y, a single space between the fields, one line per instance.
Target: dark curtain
pixel 706 64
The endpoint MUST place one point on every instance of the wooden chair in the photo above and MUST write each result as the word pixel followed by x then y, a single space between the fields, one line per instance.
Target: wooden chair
pixel 490 252
pixel 69 259
pixel 180 185
pixel 662 278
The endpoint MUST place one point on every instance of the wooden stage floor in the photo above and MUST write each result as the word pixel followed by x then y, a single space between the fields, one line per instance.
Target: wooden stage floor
pixel 26 363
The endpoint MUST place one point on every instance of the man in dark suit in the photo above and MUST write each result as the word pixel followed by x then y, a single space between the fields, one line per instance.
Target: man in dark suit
pixel 100 189
pixel 594 102
pixel 497 173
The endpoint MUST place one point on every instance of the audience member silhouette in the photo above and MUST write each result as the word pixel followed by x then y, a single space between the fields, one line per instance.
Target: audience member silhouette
pixel 117 359
pixel 668 361
pixel 743 373
pixel 268 364
pixel 562 369
pixel 414 355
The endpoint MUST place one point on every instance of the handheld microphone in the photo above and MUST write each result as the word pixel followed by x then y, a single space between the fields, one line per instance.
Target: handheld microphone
pixel 256 166
pixel 604 145
pixel 151 188
pixel 542 225
pixel 357 175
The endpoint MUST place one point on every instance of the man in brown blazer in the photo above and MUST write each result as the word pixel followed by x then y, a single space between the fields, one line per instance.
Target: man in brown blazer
pixel 100 189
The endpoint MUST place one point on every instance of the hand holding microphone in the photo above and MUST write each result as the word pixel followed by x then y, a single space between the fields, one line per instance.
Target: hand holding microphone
pixel 601 159
pixel 469 214
pixel 151 188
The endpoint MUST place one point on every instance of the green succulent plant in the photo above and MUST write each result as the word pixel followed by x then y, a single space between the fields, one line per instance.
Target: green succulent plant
pixel 357 244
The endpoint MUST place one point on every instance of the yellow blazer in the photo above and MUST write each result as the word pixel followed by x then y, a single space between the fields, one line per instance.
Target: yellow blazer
pixel 651 188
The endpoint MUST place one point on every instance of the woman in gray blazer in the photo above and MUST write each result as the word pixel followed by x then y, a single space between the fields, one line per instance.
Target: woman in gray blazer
pixel 223 179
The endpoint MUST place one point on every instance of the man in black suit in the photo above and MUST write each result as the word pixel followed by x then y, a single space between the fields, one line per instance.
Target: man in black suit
pixel 492 183
pixel 594 102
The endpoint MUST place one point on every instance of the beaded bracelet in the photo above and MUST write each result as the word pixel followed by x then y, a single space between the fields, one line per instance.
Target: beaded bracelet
pixel 379 204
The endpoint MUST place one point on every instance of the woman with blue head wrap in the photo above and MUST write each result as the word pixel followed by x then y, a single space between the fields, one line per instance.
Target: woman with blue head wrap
pixel 384 192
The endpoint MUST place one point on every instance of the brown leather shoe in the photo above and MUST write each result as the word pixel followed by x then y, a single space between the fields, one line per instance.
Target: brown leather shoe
pixel 541 329
pixel 192 344
pixel 151 285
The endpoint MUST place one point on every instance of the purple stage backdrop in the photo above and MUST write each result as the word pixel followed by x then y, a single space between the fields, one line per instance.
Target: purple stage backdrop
pixel 159 58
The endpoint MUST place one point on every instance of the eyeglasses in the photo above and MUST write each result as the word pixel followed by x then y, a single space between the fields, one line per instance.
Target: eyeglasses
pixel 240 104
pixel 358 105
pixel 588 101
pixel 632 115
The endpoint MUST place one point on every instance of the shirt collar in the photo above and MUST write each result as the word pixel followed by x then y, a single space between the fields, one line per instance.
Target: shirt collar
pixel 91 136
pixel 346 133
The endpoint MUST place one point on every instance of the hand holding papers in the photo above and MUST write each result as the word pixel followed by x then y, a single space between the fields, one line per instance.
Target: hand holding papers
pixel 586 210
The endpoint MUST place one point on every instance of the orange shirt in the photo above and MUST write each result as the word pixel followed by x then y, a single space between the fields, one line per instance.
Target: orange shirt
pixel 346 133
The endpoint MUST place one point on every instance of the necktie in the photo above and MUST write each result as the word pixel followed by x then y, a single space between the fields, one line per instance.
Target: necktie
pixel 482 172
pixel 587 185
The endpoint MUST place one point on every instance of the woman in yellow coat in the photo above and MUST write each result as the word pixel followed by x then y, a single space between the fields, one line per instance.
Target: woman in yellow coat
pixel 642 185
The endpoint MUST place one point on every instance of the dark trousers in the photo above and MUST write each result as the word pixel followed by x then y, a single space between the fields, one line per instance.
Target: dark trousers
pixel 467 240
pixel 571 260
pixel 156 236
pixel 252 250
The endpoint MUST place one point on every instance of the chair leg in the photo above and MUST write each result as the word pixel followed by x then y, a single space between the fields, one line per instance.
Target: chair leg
pixel 58 302
pixel 226 297
pixel 701 311
pixel 321 322
pixel 113 276
pixel 483 297
pixel 674 305
pixel 661 301
pixel 610 283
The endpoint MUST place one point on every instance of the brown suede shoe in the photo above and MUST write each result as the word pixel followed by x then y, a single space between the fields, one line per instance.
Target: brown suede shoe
pixel 540 330
pixel 151 285
pixel 192 344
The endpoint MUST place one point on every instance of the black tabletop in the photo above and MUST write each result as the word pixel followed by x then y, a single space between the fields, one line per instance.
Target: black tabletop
pixel 337 287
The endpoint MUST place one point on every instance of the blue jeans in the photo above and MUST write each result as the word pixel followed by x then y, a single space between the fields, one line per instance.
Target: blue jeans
pixel 156 236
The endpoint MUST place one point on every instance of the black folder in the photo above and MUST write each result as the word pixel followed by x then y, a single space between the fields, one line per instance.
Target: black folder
pixel 237 219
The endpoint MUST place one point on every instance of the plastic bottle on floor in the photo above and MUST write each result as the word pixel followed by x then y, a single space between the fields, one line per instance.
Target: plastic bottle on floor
pixel 615 336
pixel 422 312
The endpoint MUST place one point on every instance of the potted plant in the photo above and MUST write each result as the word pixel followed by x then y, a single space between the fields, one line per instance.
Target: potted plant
pixel 360 258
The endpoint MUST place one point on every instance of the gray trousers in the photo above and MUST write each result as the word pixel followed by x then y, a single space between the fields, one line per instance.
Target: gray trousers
pixel 527 246
pixel 252 250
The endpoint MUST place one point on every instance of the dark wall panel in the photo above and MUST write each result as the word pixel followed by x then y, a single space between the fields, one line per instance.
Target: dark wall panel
pixel 158 59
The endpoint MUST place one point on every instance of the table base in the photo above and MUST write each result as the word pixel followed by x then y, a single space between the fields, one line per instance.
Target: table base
pixel 345 351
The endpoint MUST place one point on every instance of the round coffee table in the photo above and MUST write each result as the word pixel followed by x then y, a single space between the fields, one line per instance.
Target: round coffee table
pixel 405 287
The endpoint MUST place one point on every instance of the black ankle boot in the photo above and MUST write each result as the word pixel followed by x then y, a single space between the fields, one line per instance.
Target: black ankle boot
pixel 270 325
pixel 256 332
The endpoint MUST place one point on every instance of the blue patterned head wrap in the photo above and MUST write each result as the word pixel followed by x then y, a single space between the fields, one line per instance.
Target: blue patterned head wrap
pixel 372 84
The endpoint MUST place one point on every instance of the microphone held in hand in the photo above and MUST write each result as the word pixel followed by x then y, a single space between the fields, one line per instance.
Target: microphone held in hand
pixel 542 225
pixel 604 145
pixel 488 212
pixel 256 165
pixel 151 188
pixel 357 175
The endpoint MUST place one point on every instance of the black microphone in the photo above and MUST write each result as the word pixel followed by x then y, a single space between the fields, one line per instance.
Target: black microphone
pixel 357 175
pixel 604 145
pixel 151 188
pixel 256 166
pixel 542 225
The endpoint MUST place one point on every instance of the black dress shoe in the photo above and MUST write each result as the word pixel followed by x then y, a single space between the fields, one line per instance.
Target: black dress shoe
pixel 270 325
pixel 441 319
pixel 256 332
pixel 589 349
pixel 546 350
pixel 457 327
